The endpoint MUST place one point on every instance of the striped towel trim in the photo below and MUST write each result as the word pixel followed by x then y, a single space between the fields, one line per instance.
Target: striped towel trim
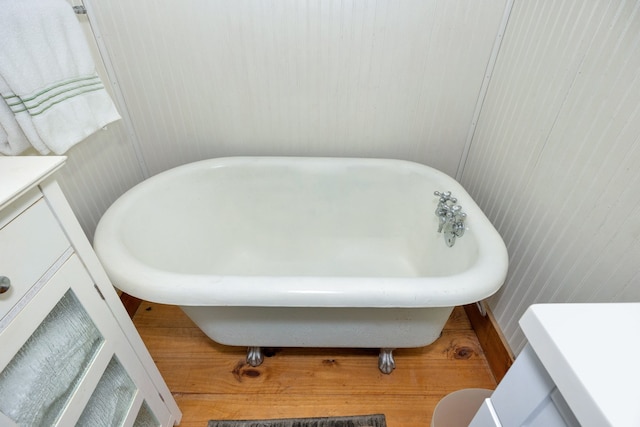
pixel 48 97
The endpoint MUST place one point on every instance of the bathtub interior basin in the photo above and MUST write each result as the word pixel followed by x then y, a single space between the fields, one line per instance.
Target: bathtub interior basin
pixel 273 231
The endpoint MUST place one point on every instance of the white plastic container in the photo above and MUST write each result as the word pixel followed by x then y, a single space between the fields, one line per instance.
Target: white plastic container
pixel 457 409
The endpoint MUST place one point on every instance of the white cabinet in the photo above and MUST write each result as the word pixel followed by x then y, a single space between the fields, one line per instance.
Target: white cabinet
pixel 571 372
pixel 526 396
pixel 69 354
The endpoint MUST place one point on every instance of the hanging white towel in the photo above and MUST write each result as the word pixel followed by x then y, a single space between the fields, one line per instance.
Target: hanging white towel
pixel 51 84
pixel 14 141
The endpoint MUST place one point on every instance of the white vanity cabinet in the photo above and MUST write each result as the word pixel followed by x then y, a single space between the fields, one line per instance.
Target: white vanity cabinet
pixel 579 368
pixel 69 354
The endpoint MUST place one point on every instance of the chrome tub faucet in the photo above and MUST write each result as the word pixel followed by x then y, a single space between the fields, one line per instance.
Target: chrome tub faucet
pixel 451 218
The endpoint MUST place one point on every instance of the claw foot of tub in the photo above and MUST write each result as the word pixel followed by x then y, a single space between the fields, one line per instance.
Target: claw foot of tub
pixel 386 364
pixel 255 356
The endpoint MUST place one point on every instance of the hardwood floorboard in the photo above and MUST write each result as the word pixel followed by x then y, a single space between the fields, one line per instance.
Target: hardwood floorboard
pixel 212 381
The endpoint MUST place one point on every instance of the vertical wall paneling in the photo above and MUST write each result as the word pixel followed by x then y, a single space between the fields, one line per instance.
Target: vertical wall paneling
pixel 485 86
pixel 97 172
pixel 94 35
pixel 341 77
pixel 554 160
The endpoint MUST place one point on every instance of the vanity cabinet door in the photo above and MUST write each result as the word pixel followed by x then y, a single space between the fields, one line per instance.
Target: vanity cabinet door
pixel 65 361
pixel 69 353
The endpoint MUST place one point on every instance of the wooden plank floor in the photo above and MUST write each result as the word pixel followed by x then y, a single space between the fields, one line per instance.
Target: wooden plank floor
pixel 212 381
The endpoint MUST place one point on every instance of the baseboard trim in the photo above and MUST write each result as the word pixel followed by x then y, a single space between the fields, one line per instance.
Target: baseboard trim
pixel 130 303
pixel 496 349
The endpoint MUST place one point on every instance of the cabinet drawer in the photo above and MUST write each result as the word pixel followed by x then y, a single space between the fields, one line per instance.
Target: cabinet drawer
pixel 29 244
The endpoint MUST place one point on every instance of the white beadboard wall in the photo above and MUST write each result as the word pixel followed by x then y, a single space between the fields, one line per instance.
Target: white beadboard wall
pixel 210 78
pixel 555 159
pixel 97 172
pixel 103 166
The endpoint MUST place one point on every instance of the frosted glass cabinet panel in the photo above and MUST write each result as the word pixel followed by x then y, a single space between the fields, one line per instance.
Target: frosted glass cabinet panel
pixel 67 372
pixel 40 379
pixel 145 418
pixel 112 398
pixel 69 353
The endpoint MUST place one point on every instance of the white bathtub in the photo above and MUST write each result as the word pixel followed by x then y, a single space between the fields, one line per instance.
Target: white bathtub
pixel 301 252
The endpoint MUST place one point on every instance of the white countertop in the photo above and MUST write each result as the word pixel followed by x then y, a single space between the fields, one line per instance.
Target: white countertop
pixel 592 352
pixel 20 172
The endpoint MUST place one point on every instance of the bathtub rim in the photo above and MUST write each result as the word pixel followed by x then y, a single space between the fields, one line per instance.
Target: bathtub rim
pixel 156 285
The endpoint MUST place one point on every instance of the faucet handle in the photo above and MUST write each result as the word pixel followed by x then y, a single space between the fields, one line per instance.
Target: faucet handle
pixel 445 196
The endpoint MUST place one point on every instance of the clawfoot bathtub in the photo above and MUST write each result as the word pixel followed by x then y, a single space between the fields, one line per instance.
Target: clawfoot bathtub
pixel 302 252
